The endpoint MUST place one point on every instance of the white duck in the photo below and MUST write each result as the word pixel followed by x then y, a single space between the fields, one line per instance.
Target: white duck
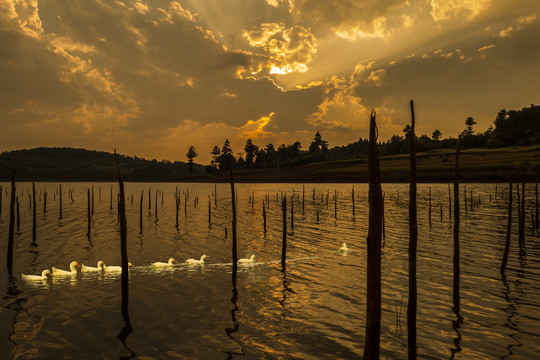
pixel 43 276
pixel 162 264
pixel 344 248
pixel 72 270
pixel 196 262
pixel 251 260
pixel 99 267
pixel 114 268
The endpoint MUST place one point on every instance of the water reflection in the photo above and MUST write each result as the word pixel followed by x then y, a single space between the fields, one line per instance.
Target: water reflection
pixel 236 324
pixel 286 290
pixel 511 310
pixel 13 300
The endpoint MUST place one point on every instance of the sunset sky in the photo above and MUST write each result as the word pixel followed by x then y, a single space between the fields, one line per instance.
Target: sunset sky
pixel 153 77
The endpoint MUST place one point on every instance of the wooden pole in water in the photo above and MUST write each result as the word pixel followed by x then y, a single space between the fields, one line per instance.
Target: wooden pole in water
pixel 441 214
pixel 317 216
pixel 522 219
pixel 284 242
pixel 60 199
pixel 45 201
pixel 209 210
pixel 140 213
pixel 215 195
pixel 264 218
pixel 465 198
pixel 429 205
pixel 471 200
pixel 11 225
pixel 536 195
pixel 374 239
pixel 313 201
pixel 519 213
pixel 34 228
pixel 413 241
pixel 508 231
pixel 1 196
pixel 150 201
pixel 352 198
pixel 185 203
pixel 110 206
pixel 18 215
pixel 303 198
pixel 335 204
pixel 233 203
pixel 456 296
pixel 156 204
pixel 123 247
pixel 292 212
pixel 89 211
pixel 383 219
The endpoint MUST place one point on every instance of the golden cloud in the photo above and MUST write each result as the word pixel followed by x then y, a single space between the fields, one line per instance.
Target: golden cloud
pixel 282 50
pixel 255 129
pixel 442 10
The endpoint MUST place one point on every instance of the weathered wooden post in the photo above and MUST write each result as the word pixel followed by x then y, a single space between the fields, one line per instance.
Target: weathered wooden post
pixel 264 218
pixel 233 204
pixel 508 231
pixel 303 198
pixel 522 218
pixel 335 204
pixel 317 216
pixel 429 205
pixel 60 199
pixel 150 201
pixel 34 227
pixel 140 213
pixel 156 200
pixel 177 202
pixel 89 212
pixel 536 195
pixel 45 201
pixel 284 242
pixel 11 225
pixel 110 206
pixel 413 241
pixel 352 198
pixel 465 198
pixel 374 239
pixel 18 215
pixel 292 212
pixel 209 210
pixel 215 195
pixel 456 295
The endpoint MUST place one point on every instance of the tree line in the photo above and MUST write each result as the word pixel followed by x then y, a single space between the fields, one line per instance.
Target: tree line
pixel 510 128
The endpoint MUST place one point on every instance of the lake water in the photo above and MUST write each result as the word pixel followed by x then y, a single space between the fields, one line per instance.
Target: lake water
pixel 313 310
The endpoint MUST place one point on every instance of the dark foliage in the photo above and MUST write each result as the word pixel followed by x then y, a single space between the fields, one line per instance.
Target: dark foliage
pixel 69 164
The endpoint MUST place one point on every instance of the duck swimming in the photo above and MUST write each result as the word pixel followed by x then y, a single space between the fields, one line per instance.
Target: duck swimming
pixel 99 267
pixel 196 262
pixel 43 276
pixel 114 268
pixel 161 264
pixel 247 261
pixel 344 248
pixel 72 270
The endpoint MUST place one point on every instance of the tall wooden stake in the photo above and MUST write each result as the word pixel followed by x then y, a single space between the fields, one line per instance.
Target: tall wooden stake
pixel 508 231
pixel 413 241
pixel 34 227
pixel 374 239
pixel 60 199
pixel 456 295
pixel 89 212
pixel 233 203
pixel 284 242
pixel 11 226
pixel 140 213
pixel 264 218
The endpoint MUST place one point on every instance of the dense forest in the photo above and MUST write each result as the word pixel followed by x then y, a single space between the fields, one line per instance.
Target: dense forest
pixel 510 128
pixel 68 164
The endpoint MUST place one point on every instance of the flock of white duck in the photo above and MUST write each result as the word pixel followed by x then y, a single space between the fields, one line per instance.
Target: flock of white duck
pixel 112 269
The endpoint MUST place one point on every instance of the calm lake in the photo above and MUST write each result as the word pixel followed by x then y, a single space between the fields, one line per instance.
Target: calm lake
pixel 313 310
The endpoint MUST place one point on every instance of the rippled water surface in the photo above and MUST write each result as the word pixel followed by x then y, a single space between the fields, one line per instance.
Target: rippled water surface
pixel 313 310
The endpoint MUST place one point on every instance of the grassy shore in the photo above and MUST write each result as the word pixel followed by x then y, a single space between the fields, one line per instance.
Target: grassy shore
pixel 476 165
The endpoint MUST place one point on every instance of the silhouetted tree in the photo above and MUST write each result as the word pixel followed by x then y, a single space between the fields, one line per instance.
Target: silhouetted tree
pixel 191 154
pixel 215 155
pixel 436 135
pixel 318 143
pixel 251 152
pixel 226 160
pixel 469 123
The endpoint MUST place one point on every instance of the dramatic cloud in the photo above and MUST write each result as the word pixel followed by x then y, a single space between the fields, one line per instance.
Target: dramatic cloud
pixel 152 77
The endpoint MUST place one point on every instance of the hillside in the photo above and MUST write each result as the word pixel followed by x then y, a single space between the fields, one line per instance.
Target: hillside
pixel 481 165
pixel 69 164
